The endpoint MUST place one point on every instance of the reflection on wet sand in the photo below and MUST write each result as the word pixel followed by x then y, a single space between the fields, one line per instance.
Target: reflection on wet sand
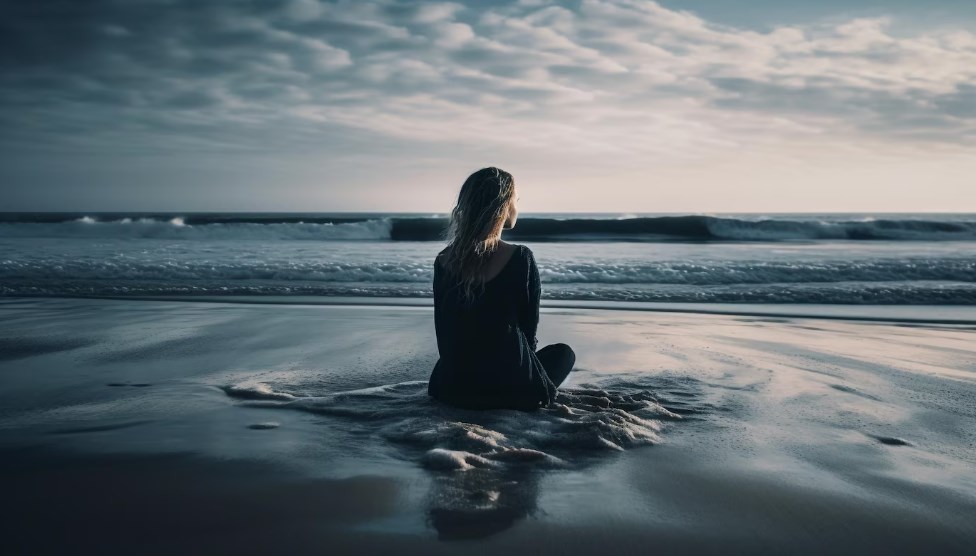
pixel 477 495
pixel 478 503
pixel 485 466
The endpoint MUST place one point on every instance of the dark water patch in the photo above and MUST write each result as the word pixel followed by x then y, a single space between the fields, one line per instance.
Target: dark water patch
pixel 12 348
pixel 680 394
pixel 754 387
pixel 854 391
pixel 892 441
pixel 264 426
pixel 100 428
pixel 935 326
pixel 178 347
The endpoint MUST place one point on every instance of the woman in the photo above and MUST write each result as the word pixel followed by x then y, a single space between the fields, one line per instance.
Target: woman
pixel 486 308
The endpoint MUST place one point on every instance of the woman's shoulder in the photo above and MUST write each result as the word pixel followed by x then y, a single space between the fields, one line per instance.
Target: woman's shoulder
pixel 524 252
pixel 440 262
pixel 517 247
pixel 517 250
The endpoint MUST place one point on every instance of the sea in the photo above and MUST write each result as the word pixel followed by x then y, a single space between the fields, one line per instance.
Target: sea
pixel 876 259
pixel 260 380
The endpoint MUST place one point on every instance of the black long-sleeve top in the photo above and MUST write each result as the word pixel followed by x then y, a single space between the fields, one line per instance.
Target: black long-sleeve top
pixel 487 345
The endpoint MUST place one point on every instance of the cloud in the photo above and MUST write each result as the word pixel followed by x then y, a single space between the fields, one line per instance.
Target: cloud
pixel 624 79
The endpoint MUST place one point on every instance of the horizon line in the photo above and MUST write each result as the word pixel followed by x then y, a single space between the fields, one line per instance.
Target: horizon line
pixel 441 213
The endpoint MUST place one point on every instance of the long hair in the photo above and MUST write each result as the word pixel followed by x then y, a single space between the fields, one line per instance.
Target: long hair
pixel 476 227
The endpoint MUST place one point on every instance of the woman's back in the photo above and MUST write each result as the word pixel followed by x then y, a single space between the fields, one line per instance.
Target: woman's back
pixel 487 342
pixel 486 307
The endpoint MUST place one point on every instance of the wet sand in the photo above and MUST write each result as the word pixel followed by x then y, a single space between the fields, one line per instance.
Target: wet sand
pixel 680 431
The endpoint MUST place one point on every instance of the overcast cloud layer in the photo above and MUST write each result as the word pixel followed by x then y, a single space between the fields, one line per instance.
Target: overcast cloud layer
pixel 320 96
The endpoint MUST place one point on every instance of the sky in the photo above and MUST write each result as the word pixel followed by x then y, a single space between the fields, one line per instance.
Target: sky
pixel 593 105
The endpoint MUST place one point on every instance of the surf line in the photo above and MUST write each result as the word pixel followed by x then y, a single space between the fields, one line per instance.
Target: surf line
pixel 754 310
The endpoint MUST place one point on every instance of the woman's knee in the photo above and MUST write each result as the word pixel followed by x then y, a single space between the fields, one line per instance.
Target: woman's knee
pixel 566 353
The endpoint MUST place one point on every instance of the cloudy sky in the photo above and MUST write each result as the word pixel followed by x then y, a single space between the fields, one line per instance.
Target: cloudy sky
pixel 594 105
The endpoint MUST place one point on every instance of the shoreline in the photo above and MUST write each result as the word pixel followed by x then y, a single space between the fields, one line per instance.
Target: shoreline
pixel 963 315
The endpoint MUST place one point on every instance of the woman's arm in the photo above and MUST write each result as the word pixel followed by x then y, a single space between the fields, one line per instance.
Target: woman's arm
pixel 529 319
pixel 435 287
pixel 441 321
pixel 530 324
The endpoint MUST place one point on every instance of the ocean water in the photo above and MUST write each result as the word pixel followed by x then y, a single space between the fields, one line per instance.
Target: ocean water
pixel 892 259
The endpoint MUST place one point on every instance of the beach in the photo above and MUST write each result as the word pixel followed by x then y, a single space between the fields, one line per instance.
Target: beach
pixel 161 426
pixel 746 230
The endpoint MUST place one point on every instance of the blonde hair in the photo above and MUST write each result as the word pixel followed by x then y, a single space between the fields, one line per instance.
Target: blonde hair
pixel 476 227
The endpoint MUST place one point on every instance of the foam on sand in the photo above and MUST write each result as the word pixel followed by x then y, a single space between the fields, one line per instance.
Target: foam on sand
pixel 257 391
pixel 486 466
pixel 580 423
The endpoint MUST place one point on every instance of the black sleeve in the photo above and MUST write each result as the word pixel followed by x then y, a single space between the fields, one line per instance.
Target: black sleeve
pixel 440 323
pixel 533 291
pixel 437 274
pixel 434 385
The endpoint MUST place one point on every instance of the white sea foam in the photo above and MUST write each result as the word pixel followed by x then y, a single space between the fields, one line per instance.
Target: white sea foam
pixel 257 391
pixel 147 257
pixel 173 270
pixel 581 422
pixel 440 458
pixel 177 229
pixel 328 267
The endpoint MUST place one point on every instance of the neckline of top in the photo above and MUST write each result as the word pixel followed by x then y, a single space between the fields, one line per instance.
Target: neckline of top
pixel 518 249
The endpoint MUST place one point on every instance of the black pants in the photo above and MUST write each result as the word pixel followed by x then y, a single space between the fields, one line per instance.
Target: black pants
pixel 558 359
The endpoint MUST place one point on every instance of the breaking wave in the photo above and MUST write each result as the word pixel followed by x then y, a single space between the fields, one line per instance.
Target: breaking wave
pixel 627 228
pixel 178 228
pixel 689 259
